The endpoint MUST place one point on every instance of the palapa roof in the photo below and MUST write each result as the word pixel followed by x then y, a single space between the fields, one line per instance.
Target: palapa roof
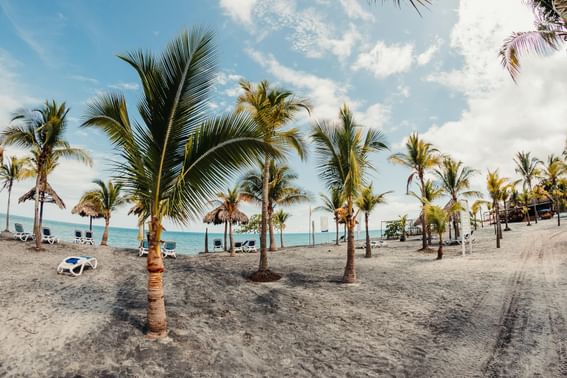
pixel 219 215
pixel 86 209
pixel 50 196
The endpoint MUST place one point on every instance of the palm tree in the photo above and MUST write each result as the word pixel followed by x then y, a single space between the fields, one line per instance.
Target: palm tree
pixel 420 157
pixel 42 131
pixel 13 170
pixel 438 218
pixel 229 212
pixel 343 151
pixel 333 203
pixel 403 224
pixel 496 187
pixel 281 191
pixel 455 180
pixel 414 3
pixel 105 199
pixel 175 157
pixel 476 208
pixel 428 193
pixel 272 109
pixel 367 202
pixel 527 168
pixel 552 172
pixel 550 33
pixel 280 217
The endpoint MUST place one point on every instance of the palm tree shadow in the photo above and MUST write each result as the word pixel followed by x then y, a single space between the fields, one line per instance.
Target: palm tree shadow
pixel 130 304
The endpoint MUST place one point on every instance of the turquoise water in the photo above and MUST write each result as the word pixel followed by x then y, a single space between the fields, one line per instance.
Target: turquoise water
pixel 189 243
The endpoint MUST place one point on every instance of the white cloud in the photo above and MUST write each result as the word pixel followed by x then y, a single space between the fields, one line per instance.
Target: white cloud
pixel 84 79
pixel 355 11
pixel 426 56
pixel 239 10
pixel 125 86
pixel 385 60
pixel 375 116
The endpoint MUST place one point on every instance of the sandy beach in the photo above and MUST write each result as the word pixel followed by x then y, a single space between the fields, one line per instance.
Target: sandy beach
pixel 494 313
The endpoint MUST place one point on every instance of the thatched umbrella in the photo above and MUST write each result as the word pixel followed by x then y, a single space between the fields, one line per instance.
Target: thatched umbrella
pixel 46 194
pixel 87 209
pixel 219 215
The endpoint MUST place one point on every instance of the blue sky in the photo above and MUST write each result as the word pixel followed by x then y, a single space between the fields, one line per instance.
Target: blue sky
pixel 437 74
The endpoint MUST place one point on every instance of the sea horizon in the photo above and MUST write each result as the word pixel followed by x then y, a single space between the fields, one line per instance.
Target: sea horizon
pixel 188 242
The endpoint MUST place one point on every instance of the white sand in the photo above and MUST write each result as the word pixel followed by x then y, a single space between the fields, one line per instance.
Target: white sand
pixel 495 313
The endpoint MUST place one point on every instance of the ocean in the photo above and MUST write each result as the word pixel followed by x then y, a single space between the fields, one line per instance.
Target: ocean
pixel 189 243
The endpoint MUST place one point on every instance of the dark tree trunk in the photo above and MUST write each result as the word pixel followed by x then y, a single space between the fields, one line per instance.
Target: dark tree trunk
pixel 273 246
pixel 498 228
pixel 157 319
pixel 350 273
pixel 506 216
pixel 232 251
pixel 263 266
pixel 281 237
pixel 368 249
pixel 337 228
pixel 225 233
pixel 440 250
pixel 8 207
pixel 37 219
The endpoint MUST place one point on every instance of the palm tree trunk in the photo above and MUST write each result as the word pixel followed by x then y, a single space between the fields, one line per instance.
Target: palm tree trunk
pixel 350 273
pixel 557 210
pixel 104 240
pixel 264 224
pixel 450 228
pixel 41 203
pixel 225 230
pixel 157 319
pixel 528 215
pixel 498 234
pixel 506 216
pixel 481 220
pixel 440 250
pixel 8 207
pixel 423 217
pixel 281 237
pixel 36 218
pixel 337 227
pixel 232 251
pixel 273 246
pixel 368 249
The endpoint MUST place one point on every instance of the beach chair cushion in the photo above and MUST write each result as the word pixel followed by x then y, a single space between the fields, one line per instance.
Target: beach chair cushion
pixel 76 264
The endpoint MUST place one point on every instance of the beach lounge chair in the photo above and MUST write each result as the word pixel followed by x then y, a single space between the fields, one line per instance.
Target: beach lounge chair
pixel 88 239
pixel 78 239
pixel 168 249
pixel 217 244
pixel 21 234
pixel 47 236
pixel 378 244
pixel 144 248
pixel 76 264
pixel 249 246
pixel 238 246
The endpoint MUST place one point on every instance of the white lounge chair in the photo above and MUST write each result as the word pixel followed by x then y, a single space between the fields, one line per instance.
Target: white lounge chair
pixel 47 237
pixel 21 234
pixel 76 264
pixel 217 244
pixel 144 248
pixel 378 244
pixel 249 246
pixel 78 237
pixel 88 239
pixel 168 249
pixel 238 246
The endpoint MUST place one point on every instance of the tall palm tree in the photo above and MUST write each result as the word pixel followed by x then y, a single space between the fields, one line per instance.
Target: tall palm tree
pixel 229 204
pixel 175 157
pixel 496 187
pixel 550 34
pixel 455 180
pixel 11 171
pixel 528 168
pixel 420 157
pixel 476 208
pixel 438 218
pixel 105 199
pixel 552 171
pixel 428 193
pixel 280 218
pixel 272 109
pixel 332 203
pixel 367 202
pixel 343 151
pixel 281 191
pixel 42 131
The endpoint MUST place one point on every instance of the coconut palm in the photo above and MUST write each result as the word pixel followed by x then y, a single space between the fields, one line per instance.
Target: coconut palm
pixel 403 221
pixel 367 202
pixel 228 212
pixel 11 171
pixel 476 208
pixel 528 168
pixel 455 180
pixel 552 171
pixel 175 157
pixel 280 218
pixel 550 34
pixel 332 203
pixel 106 198
pixel 438 218
pixel 420 157
pixel 428 193
pixel 496 187
pixel 343 151
pixel 42 132
pixel 281 191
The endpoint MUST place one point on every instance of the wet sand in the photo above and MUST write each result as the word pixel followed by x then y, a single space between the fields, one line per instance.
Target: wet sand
pixel 493 313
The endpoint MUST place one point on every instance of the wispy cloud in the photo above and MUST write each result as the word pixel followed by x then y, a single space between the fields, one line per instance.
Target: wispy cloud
pixel 84 79
pixel 125 86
